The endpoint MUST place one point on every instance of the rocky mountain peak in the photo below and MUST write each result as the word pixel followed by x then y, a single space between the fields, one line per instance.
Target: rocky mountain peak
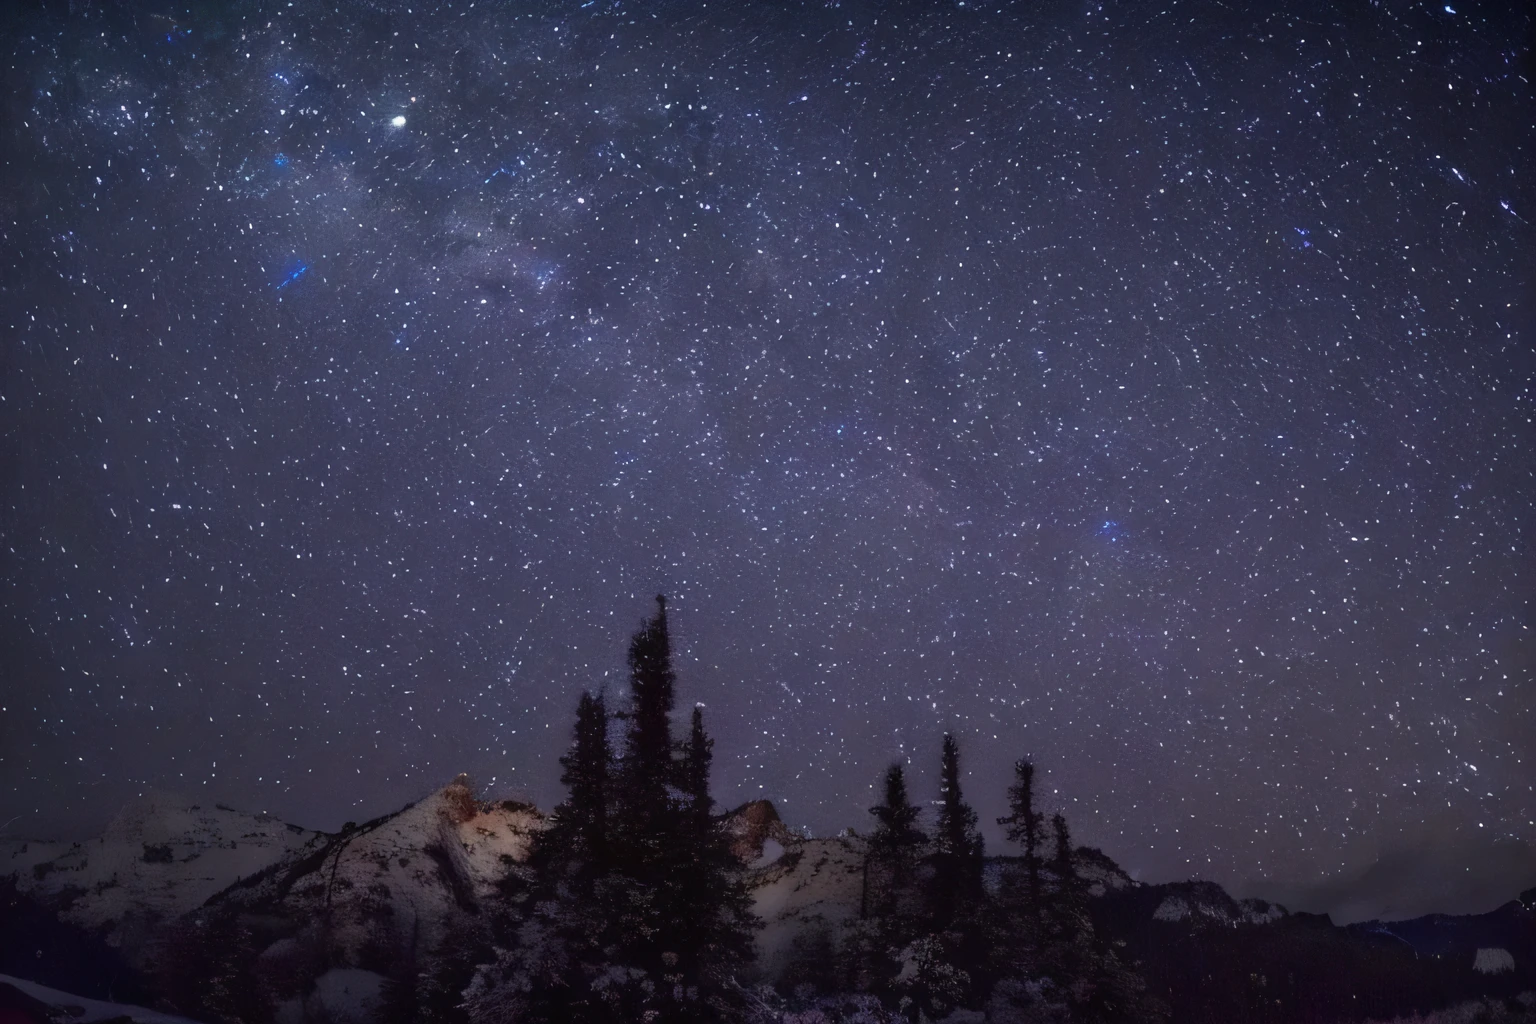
pixel 752 825
pixel 457 800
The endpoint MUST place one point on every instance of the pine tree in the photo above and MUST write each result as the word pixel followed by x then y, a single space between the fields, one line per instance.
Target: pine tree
pixel 648 830
pixel 640 909
pixel 957 844
pixel 686 918
pixel 1050 963
pixel 1062 862
pixel 695 779
pixel 565 940
pixel 892 905
pixel 649 820
pixel 1095 984
pixel 1024 827
pixel 896 831
pixel 582 821
pixel 1067 924
pixel 714 909
pixel 894 845
pixel 957 950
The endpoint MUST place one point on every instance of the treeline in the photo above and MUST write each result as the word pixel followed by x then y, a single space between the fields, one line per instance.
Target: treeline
pixel 936 937
pixel 634 907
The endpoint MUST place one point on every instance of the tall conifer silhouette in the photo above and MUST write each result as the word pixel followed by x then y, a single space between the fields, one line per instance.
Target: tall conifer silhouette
pixel 949 967
pixel 896 840
pixel 582 820
pixel 699 756
pixel 568 925
pixel 713 909
pixel 685 913
pixel 1024 826
pixel 891 904
pixel 957 844
pixel 646 772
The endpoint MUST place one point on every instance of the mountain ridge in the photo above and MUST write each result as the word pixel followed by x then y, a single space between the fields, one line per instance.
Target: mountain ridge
pixel 331 919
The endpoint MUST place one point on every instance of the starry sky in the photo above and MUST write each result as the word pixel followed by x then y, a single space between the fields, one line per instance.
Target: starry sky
pixel 1143 388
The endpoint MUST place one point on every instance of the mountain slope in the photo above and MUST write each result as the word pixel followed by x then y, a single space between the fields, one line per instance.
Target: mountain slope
pixel 417 869
pixel 227 911
pixel 234 915
pixel 349 925
pixel 157 860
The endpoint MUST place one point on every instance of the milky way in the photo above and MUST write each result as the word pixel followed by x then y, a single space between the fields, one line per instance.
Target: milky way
pixel 1147 389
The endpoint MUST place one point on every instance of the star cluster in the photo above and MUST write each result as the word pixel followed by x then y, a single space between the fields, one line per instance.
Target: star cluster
pixel 1148 390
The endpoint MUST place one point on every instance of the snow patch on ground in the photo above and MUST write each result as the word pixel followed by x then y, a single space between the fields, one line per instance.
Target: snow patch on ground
pixel 75 1008
pixel 1493 961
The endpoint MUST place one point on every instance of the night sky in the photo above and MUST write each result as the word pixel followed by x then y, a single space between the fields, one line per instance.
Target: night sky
pixel 1144 388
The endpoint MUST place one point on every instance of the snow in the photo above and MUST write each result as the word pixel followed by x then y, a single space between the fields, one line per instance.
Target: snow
pixel 772 851
pixel 1257 911
pixel 91 1009
pixel 399 882
pixel 1493 961
pixel 818 886
pixel 411 874
pixel 159 857
pixel 1208 904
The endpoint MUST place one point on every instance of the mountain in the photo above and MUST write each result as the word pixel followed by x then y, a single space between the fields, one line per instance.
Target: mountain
pixel 806 899
pixel 1217 959
pixel 1212 957
pixel 410 873
pixel 158 859
pixel 213 913
pixel 1456 869
pixel 83 916
pixel 1196 904
pixel 368 919
pixel 308 923
pixel 757 833
pixel 1511 928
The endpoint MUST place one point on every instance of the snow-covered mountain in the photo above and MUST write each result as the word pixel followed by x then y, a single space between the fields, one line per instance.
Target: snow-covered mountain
pixel 811 892
pixel 329 919
pixel 757 834
pixel 418 869
pixel 158 859
pixel 1206 904
pixel 338 919
pixel 225 910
